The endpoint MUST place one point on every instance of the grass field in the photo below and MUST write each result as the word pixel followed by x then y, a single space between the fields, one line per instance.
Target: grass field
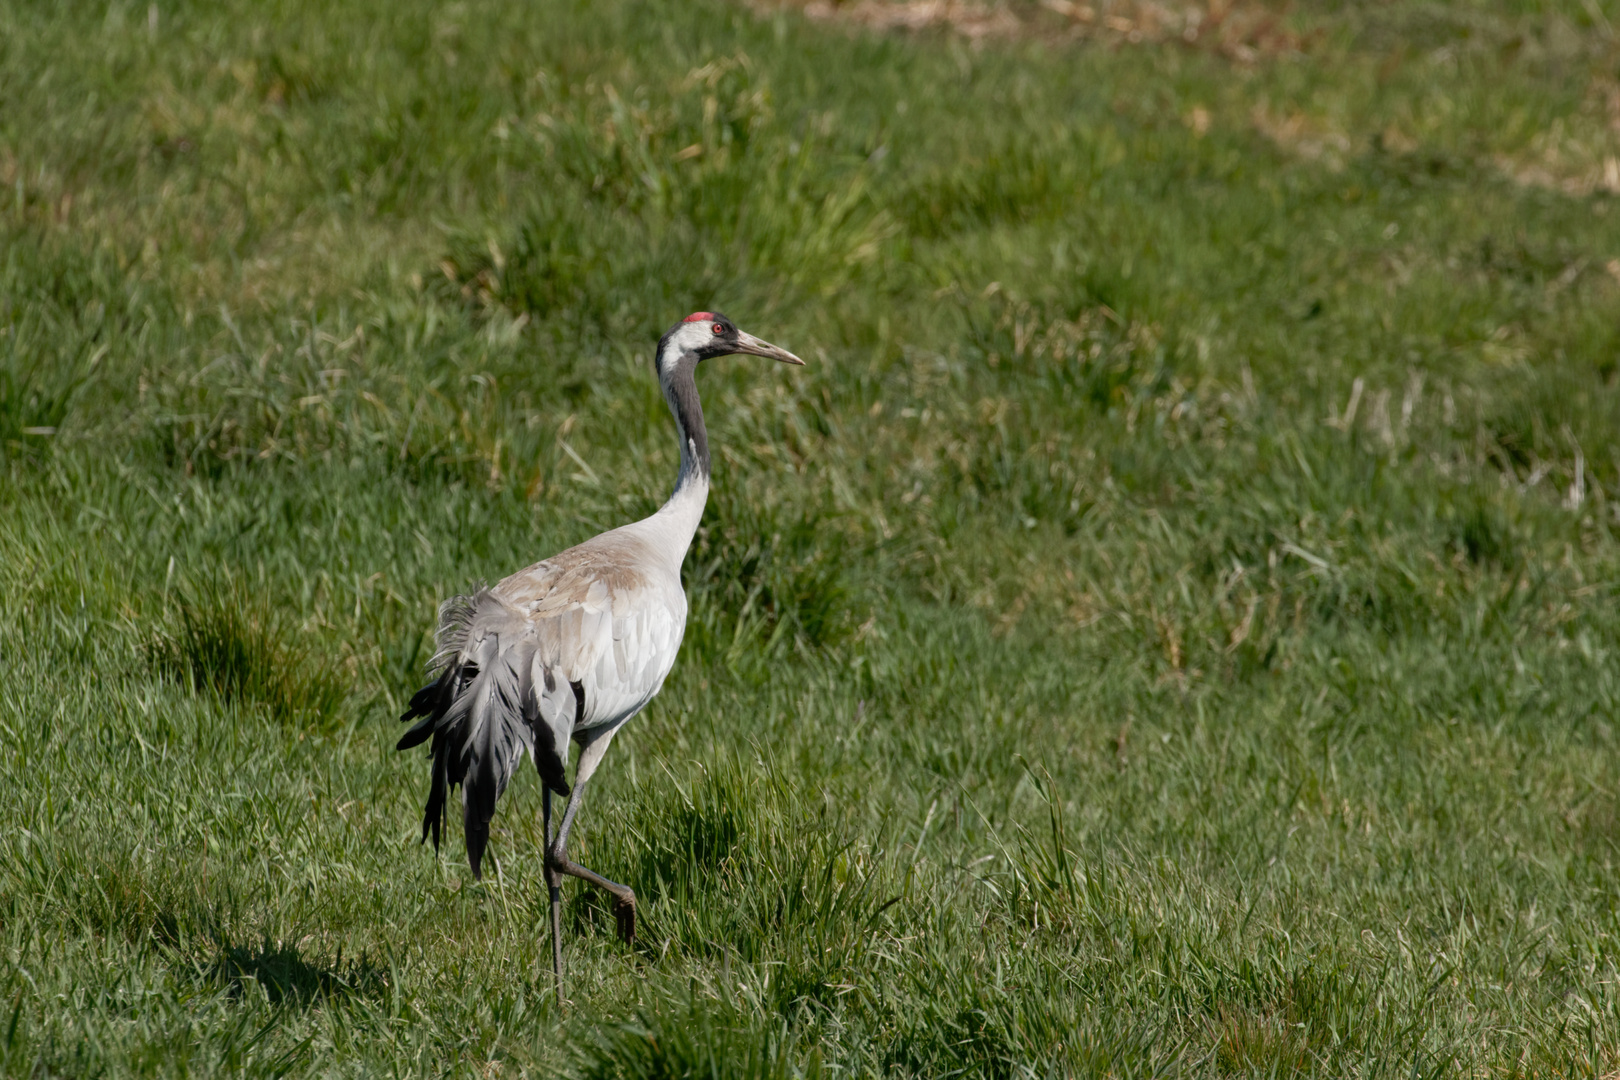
pixel 1169 629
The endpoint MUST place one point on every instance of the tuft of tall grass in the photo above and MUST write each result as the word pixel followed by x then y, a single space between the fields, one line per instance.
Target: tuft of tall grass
pixel 61 315
pixel 230 638
pixel 762 575
pixel 706 1038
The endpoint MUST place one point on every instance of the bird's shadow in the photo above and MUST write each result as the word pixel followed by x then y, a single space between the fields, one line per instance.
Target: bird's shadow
pixel 287 977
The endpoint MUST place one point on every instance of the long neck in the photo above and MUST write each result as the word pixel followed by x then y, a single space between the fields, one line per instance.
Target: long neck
pixel 684 509
pixel 680 390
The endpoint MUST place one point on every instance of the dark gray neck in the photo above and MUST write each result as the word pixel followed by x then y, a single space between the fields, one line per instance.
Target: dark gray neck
pixel 680 390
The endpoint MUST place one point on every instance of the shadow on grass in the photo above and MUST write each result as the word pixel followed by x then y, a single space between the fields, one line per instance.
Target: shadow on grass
pixel 155 907
pixel 287 977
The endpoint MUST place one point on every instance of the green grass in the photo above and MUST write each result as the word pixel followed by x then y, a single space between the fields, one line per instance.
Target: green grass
pixel 1169 628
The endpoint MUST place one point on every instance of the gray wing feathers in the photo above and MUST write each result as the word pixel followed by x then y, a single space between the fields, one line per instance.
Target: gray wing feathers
pixel 496 734
pixel 455 620
pixel 491 700
pixel 554 706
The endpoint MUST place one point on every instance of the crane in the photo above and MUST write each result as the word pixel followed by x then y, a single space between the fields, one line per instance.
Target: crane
pixel 571 648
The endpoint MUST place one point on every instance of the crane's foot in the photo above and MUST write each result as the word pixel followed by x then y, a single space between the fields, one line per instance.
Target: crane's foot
pixel 624 898
pixel 624 913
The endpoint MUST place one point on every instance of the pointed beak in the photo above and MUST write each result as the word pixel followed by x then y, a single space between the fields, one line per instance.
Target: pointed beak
pixel 752 346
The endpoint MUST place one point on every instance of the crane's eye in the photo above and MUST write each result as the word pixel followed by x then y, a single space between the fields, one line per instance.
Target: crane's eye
pixel 718 329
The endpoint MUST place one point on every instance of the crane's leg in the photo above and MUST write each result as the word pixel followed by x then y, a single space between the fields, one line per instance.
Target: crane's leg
pixel 554 883
pixel 557 861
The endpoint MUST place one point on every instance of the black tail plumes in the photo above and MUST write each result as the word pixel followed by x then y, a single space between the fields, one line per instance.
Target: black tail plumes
pixel 483 712
pixel 431 703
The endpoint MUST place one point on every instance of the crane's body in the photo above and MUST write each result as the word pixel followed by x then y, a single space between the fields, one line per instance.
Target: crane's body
pixel 564 651
pixel 569 649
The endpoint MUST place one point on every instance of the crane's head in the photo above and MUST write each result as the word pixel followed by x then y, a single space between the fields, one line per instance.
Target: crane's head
pixel 704 335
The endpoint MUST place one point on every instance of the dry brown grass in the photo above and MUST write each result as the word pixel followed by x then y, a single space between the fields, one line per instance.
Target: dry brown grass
pixel 1242 31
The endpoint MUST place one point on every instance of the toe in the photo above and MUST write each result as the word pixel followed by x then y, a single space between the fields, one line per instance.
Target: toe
pixel 625 915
